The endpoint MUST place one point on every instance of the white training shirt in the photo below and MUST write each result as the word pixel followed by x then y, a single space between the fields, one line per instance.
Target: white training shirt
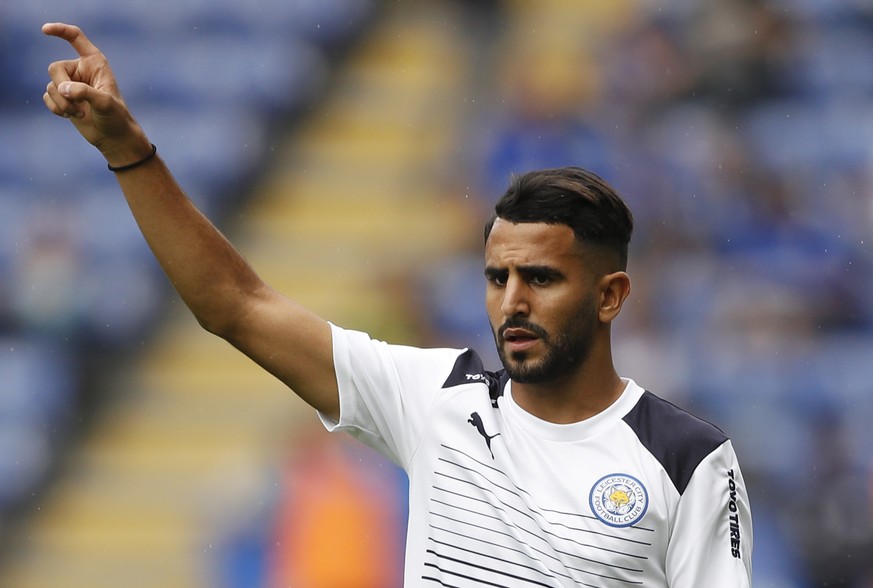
pixel 642 494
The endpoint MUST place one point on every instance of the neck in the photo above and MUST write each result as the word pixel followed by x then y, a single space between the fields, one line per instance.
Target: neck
pixel 572 398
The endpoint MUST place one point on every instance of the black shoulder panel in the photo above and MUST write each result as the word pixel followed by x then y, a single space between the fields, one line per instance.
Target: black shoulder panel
pixel 677 439
pixel 469 369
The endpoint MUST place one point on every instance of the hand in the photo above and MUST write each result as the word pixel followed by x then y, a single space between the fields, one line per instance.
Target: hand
pixel 84 90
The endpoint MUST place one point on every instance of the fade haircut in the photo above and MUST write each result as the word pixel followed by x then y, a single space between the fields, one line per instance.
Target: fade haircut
pixel 569 196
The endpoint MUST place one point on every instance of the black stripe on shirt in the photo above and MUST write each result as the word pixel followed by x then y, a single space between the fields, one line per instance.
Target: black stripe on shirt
pixel 677 439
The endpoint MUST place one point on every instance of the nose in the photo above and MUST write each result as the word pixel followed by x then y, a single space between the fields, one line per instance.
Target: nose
pixel 515 299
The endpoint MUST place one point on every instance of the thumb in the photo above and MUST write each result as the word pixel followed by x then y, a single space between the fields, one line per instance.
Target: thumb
pixel 75 91
pixel 81 94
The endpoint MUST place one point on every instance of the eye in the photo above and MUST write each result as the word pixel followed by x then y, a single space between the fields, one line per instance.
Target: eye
pixel 542 276
pixel 498 278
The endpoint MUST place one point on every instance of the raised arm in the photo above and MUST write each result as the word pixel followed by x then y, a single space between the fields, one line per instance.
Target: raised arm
pixel 215 282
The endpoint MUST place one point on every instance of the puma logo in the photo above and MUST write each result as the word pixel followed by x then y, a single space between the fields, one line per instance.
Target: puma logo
pixel 476 421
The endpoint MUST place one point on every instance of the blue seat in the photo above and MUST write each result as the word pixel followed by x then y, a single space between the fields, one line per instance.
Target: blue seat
pixel 40 150
pixel 209 149
pixel 38 392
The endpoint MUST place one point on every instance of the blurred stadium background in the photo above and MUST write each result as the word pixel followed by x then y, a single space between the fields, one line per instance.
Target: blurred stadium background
pixel 351 149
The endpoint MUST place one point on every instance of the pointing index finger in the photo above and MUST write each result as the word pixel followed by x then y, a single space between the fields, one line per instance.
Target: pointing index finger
pixel 73 35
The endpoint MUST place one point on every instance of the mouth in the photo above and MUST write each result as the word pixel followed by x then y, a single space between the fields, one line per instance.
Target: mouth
pixel 519 339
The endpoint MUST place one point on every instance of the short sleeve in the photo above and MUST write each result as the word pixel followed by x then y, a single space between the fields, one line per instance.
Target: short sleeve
pixel 711 537
pixel 386 391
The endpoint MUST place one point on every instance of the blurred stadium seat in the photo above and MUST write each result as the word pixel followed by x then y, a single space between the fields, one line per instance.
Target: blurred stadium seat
pixel 752 193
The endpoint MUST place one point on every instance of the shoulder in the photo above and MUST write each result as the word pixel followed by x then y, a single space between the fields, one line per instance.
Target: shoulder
pixel 358 346
pixel 676 438
pixel 360 358
pixel 468 369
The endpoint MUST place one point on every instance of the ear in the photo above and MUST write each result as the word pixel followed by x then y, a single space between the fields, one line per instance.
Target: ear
pixel 614 290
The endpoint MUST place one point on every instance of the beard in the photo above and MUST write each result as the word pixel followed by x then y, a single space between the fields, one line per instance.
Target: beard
pixel 565 351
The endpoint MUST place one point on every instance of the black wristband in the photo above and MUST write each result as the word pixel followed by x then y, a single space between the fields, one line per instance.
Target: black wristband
pixel 122 168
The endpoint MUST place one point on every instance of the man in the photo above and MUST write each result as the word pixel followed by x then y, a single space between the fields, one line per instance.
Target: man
pixel 552 472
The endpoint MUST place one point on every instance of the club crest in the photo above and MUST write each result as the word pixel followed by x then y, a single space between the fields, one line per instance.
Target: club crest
pixel 619 500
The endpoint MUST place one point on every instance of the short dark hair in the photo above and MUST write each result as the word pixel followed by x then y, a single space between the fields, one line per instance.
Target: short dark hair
pixel 569 196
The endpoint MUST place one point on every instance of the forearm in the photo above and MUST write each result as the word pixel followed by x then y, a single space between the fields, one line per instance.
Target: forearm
pixel 210 276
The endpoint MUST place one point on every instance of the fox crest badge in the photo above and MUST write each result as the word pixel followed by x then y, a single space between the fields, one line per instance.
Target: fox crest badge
pixel 619 500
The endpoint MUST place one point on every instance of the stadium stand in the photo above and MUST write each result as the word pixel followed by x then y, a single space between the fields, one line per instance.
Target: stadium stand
pixel 373 137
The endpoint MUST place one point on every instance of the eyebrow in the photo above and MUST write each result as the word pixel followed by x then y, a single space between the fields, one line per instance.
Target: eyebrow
pixel 527 271
pixel 493 272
